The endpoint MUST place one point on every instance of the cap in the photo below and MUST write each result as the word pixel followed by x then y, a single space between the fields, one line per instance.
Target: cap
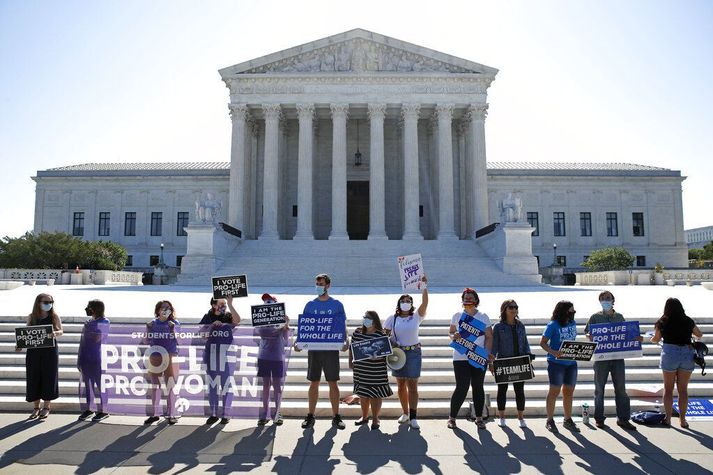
pixel 268 297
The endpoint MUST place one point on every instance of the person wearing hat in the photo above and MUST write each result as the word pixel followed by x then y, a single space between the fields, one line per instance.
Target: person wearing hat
pixel 218 325
pixel 271 364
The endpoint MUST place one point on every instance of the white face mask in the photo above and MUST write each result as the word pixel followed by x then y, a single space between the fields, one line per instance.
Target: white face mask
pixel 166 313
pixel 607 305
pixel 46 307
pixel 405 306
pixel 320 290
pixel 367 322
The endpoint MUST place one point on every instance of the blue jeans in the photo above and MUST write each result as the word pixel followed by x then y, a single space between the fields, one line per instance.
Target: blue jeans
pixel 618 377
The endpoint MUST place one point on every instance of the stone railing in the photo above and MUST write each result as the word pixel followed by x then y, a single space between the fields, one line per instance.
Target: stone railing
pixel 645 277
pixel 58 276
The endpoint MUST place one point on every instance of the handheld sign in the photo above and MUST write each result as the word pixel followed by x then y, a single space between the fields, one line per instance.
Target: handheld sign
pixel 235 285
pixel 477 355
pixel 616 340
pixel 470 328
pixel 513 370
pixel 321 332
pixel 411 271
pixel 270 314
pixel 38 336
pixel 373 348
pixel 577 350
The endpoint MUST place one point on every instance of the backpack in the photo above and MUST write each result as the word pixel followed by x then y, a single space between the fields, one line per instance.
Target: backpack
pixel 648 418
pixel 701 350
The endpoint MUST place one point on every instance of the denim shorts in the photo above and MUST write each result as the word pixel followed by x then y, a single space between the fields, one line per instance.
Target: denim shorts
pixel 412 368
pixel 560 374
pixel 675 357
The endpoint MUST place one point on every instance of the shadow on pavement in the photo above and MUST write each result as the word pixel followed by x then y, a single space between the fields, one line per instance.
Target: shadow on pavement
pixel 308 456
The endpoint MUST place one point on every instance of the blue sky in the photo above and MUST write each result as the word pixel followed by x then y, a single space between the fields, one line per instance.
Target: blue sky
pixel 604 81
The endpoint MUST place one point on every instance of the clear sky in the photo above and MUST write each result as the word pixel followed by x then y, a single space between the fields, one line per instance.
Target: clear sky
pixel 107 81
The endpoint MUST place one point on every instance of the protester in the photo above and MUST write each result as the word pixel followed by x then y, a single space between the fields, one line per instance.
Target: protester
pixel 371 380
pixel 161 331
pixel 94 334
pixel 42 364
pixel 676 329
pixel 617 368
pixel 271 367
pixel 562 373
pixel 466 374
pixel 218 325
pixel 510 340
pixel 326 361
pixel 402 327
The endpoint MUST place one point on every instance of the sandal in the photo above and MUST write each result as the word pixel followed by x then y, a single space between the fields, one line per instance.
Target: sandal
pixel 451 423
pixel 480 423
pixel 35 413
pixel 44 413
pixel 684 425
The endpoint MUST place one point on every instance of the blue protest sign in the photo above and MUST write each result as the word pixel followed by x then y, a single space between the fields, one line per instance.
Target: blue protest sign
pixel 321 332
pixel 477 355
pixel 697 407
pixel 616 340
pixel 470 328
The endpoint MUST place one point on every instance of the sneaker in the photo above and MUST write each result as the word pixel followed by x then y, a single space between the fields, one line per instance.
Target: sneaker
pixel 277 419
pixel 224 420
pixel 403 419
pixel 151 420
pixel 211 420
pixel 523 424
pixel 414 424
pixel 261 422
pixel 600 424
pixel 172 420
pixel 99 416
pixel 550 426
pixel 338 422
pixel 85 415
pixel 451 423
pixel 308 422
pixel 361 421
pixel 627 425
pixel 480 423
pixel 501 422
pixel 570 425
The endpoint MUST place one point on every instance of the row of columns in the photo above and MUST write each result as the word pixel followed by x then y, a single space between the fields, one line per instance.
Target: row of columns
pixel 476 161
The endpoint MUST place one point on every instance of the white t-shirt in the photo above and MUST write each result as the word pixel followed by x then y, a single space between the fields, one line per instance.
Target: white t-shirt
pixel 406 331
pixel 480 341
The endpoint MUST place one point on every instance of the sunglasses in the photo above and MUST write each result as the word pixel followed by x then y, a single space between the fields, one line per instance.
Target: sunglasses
pixel 46 301
pixel 513 307
pixel 572 312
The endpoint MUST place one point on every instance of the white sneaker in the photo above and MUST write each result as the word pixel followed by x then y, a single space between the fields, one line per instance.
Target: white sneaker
pixel 523 424
pixel 414 425
pixel 403 419
pixel 501 422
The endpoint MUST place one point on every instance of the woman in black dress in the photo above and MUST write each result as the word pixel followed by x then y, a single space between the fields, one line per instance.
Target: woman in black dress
pixel 371 381
pixel 42 364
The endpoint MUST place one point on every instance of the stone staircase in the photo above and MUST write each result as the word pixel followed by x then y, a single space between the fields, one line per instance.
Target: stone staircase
pixel 435 388
pixel 361 263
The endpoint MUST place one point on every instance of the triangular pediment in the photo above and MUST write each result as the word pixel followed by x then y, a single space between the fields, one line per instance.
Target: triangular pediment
pixel 357 51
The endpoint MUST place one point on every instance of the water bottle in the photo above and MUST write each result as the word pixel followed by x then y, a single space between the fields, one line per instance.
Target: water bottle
pixel 585 413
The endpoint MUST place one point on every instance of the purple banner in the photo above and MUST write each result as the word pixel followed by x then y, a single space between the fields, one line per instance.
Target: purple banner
pixel 169 369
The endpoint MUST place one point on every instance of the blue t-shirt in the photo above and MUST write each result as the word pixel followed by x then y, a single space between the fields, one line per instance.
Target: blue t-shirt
pixel 94 334
pixel 557 334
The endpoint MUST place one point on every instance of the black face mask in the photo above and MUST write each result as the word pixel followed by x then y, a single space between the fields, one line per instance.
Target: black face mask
pixel 88 312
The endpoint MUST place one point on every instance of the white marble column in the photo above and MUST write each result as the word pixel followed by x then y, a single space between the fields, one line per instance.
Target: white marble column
pixel 446 219
pixel 478 165
pixel 377 191
pixel 412 221
pixel 270 174
pixel 305 114
pixel 238 169
pixel 340 113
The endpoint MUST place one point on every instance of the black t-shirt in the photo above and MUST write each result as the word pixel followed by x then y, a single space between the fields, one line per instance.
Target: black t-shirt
pixel 210 317
pixel 677 333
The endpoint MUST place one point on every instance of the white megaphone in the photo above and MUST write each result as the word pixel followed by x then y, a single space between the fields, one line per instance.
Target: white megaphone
pixel 397 359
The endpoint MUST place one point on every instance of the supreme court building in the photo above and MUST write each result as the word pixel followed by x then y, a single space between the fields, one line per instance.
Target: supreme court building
pixel 351 150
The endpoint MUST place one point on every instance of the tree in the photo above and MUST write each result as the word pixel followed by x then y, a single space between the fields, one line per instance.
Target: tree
pixel 609 258
pixel 56 250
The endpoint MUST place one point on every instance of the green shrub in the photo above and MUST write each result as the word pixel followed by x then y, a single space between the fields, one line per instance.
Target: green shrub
pixel 609 258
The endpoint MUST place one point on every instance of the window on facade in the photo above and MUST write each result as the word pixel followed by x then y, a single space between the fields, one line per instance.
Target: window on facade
pixel 130 223
pixel 640 261
pixel 104 222
pixel 78 224
pixel 129 261
pixel 585 223
pixel 179 259
pixel 294 211
pixel 638 223
pixel 156 223
pixel 559 224
pixel 561 261
pixel 420 211
pixel 612 225
pixel 534 219
pixel 181 222
pixel 153 260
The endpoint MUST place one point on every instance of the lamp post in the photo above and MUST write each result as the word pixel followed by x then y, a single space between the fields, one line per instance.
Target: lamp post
pixel 357 155
pixel 554 250
pixel 160 261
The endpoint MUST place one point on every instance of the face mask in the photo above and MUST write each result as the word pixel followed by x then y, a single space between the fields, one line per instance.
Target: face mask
pixel 269 302
pixel 607 305
pixel 405 306
pixel 320 290
pixel 222 310
pixel 46 307
pixel 165 313
pixel 368 322
pixel 468 304
pixel 88 312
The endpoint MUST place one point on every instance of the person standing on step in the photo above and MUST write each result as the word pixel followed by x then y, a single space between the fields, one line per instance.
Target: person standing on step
pixel 617 368
pixel 562 373
pixel 510 340
pixel 467 375
pixel 218 326
pixel 94 334
pixel 161 332
pixel 402 327
pixel 326 361
pixel 42 364
pixel 371 379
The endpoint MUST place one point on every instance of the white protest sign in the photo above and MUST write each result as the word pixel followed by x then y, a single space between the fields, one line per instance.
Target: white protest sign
pixel 411 271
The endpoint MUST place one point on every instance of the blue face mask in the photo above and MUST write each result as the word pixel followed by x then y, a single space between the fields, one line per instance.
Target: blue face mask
pixel 607 305
pixel 320 290
pixel 368 322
